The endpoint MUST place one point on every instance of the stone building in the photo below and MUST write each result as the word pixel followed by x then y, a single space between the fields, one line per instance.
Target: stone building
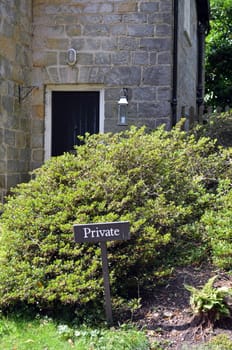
pixel 64 65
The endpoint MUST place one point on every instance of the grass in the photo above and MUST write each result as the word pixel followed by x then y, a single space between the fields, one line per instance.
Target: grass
pixel 45 334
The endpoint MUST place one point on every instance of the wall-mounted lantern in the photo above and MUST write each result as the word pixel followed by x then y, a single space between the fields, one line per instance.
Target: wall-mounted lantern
pixel 122 107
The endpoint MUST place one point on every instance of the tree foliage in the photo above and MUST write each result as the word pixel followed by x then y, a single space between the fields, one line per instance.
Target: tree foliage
pixel 218 55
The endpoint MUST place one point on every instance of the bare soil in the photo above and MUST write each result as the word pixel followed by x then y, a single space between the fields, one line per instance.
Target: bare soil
pixel 167 316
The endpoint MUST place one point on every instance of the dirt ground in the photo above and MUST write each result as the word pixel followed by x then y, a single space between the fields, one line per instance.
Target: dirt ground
pixel 167 316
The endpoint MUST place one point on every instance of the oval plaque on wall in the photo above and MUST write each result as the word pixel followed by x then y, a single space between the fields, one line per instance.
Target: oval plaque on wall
pixel 72 56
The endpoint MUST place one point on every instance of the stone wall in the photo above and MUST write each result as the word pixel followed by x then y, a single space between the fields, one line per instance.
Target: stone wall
pixel 15 71
pixel 120 44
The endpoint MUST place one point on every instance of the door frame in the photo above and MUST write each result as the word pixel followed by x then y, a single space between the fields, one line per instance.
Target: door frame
pixel 48 110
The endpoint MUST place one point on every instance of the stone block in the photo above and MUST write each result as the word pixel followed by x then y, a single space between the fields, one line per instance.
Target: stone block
pixel 3 166
pixel 68 75
pixel 157 75
pixel 37 125
pixel 166 6
pixel 61 19
pixel 111 110
pixel 12 121
pixel 7 27
pixel 140 30
pixel 153 58
pixel 93 74
pixel 53 74
pixel 147 110
pixel 135 18
pixel 7 47
pixel 1 136
pixel 121 58
pixel 73 30
pixel 64 9
pixel 25 124
pixel 91 19
pixel 52 31
pixel 111 19
pixel 164 93
pixel 12 180
pixel 153 110
pixel 37 140
pixel 12 153
pixel 37 155
pixel 102 58
pixel 98 8
pixel 44 58
pixel 155 44
pixel 150 6
pixel 35 165
pixel 126 7
pixel 56 44
pixel 9 137
pixel 38 111
pixel 157 17
pixel 2 181
pixel 3 151
pixel 88 44
pixel 20 139
pixel 144 93
pixel 5 68
pixel 112 94
pixel 163 121
pixel 164 58
pixel 118 29
pixel 96 30
pixel 109 44
pixel 140 58
pixel 123 76
pixel 38 95
pixel 163 30
pixel 25 154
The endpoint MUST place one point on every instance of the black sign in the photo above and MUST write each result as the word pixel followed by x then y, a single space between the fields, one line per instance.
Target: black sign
pixel 101 232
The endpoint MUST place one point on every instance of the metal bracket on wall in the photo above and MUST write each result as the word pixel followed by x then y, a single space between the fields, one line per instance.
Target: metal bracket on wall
pixel 24 91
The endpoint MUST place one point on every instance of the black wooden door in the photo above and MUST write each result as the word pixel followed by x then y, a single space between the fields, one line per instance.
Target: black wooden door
pixel 73 113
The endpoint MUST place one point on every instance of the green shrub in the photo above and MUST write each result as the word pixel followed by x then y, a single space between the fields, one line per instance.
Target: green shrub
pixel 217 224
pixel 161 182
pixel 209 302
pixel 218 126
pixel 220 342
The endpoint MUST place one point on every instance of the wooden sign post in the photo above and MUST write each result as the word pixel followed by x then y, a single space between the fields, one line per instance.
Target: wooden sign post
pixel 103 232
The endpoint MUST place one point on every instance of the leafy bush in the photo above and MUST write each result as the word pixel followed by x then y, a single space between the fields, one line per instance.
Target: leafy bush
pixel 217 223
pixel 123 338
pixel 220 342
pixel 218 126
pixel 162 182
pixel 209 303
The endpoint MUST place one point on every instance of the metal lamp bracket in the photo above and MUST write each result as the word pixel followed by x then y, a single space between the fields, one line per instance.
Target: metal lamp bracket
pixel 24 91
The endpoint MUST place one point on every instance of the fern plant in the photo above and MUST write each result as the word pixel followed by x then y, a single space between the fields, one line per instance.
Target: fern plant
pixel 210 303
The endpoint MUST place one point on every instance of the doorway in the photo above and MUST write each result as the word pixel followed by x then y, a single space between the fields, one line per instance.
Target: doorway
pixel 73 114
pixel 71 111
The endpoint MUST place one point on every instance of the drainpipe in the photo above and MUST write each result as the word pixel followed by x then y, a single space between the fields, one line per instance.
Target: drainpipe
pixel 200 81
pixel 175 63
